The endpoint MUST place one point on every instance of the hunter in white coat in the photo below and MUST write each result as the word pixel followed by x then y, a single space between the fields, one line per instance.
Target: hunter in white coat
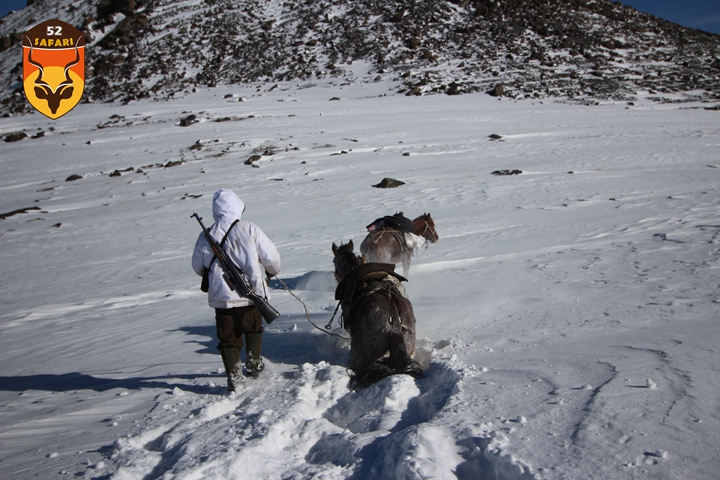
pixel 251 251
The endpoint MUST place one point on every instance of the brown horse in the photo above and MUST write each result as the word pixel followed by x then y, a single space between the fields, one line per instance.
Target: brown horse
pixel 388 245
pixel 377 315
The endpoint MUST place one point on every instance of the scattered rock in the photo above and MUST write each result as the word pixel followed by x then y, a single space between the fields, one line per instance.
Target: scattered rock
pixel 497 91
pixel 10 39
pixel 495 136
pixel 3 216
pixel 506 172
pixel 598 50
pixel 117 173
pixel 414 43
pixel 72 178
pixel 174 163
pixel 15 137
pixel 389 183
pixel 187 121
pixel 253 159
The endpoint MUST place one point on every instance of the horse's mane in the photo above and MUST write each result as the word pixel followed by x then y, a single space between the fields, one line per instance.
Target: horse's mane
pixel 346 252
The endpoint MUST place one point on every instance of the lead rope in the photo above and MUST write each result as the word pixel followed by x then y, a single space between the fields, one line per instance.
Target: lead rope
pixel 307 314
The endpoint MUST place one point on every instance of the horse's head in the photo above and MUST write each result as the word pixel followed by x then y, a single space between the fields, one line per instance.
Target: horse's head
pixel 345 259
pixel 425 227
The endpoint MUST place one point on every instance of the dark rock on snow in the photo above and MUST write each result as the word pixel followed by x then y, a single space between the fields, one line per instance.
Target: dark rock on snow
pixel 389 183
pixel 15 137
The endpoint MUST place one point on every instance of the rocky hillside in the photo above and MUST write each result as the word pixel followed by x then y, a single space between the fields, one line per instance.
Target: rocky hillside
pixel 582 50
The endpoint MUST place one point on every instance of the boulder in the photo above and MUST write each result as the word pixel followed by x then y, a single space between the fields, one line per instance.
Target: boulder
pixel 389 183
pixel 497 91
pixel 15 137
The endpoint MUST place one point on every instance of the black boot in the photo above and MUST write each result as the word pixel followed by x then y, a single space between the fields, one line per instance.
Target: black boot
pixel 253 363
pixel 233 368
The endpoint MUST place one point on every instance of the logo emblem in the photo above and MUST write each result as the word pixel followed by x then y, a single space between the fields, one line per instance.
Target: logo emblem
pixel 54 67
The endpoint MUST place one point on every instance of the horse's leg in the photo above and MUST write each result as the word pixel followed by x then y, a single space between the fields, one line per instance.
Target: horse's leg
pixel 406 263
pixel 399 357
pixel 403 339
pixel 367 341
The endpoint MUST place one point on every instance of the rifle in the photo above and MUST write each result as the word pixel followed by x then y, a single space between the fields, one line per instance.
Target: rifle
pixel 236 278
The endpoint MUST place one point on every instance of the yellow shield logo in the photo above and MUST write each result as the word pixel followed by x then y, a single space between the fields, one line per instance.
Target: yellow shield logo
pixel 54 67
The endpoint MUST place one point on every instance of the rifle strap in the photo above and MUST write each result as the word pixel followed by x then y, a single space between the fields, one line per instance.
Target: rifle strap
pixel 222 242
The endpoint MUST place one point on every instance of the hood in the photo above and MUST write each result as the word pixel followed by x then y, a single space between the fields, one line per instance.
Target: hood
pixel 227 206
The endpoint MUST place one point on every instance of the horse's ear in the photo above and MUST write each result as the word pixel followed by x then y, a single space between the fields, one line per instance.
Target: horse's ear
pixel 334 249
pixel 350 244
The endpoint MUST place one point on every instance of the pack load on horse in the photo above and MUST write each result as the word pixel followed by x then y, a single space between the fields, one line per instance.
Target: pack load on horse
pixel 398 221
pixel 394 239
pixel 378 316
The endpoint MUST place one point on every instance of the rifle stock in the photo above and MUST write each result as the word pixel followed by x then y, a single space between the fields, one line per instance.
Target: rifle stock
pixel 236 278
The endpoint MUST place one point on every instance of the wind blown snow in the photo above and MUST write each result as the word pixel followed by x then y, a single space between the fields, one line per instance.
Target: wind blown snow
pixel 568 315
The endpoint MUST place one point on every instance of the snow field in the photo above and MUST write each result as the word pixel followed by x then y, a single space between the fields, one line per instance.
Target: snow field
pixel 567 316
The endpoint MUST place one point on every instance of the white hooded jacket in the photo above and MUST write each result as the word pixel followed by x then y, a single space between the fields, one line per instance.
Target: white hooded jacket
pixel 246 245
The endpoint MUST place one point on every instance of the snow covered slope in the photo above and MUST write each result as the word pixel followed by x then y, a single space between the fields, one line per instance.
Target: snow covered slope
pixel 578 49
pixel 568 315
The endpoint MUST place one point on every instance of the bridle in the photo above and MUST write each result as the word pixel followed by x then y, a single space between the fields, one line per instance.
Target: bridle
pixel 433 233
